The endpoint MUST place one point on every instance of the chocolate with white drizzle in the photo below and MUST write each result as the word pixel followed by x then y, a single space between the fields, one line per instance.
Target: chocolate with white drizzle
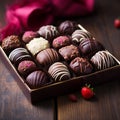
pixel 79 35
pixel 49 32
pixel 102 60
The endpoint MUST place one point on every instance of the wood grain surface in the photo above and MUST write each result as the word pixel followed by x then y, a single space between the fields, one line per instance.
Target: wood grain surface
pixel 106 104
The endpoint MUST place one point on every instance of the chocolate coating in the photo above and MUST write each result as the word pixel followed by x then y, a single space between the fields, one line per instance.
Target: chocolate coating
pixel 102 60
pixel 47 57
pixel 18 55
pixel 49 32
pixel 59 71
pixel 37 79
pixel 29 35
pixel 26 67
pixel 67 27
pixel 69 52
pixel 10 43
pixel 79 35
pixel 81 66
pixel 61 41
pixel 89 47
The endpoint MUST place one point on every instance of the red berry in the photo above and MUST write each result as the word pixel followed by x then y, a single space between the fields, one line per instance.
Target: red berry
pixel 73 97
pixel 117 23
pixel 87 92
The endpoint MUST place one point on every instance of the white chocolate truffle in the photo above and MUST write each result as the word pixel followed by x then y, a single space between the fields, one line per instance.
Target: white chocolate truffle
pixel 37 44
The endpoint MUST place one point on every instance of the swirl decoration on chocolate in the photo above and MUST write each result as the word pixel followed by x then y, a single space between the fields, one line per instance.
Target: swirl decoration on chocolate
pixel 59 71
pixel 19 54
pixel 48 32
pixel 103 59
pixel 80 35
pixel 47 57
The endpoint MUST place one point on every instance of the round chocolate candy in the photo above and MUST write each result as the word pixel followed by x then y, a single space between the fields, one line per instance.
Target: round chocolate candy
pixel 37 44
pixel 61 41
pixel 49 32
pixel 81 66
pixel 37 79
pixel 69 52
pixel 59 71
pixel 29 35
pixel 89 47
pixel 47 57
pixel 26 67
pixel 10 43
pixel 79 35
pixel 18 55
pixel 102 60
pixel 67 27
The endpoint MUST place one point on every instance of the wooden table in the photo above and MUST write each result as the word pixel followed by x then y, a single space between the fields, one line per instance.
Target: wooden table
pixel 15 106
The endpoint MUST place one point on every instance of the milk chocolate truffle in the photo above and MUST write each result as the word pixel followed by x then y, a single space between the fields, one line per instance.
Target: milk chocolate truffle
pixel 37 44
pixel 59 71
pixel 10 43
pixel 26 67
pixel 79 35
pixel 102 60
pixel 49 32
pixel 47 57
pixel 89 47
pixel 67 27
pixel 37 79
pixel 81 66
pixel 69 52
pixel 61 41
pixel 18 55
pixel 29 35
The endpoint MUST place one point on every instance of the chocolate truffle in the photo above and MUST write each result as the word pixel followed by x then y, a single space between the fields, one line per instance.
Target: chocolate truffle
pixel 49 32
pixel 61 41
pixel 26 67
pixel 89 47
pixel 102 60
pixel 79 35
pixel 81 66
pixel 69 52
pixel 10 43
pixel 37 44
pixel 59 71
pixel 18 55
pixel 47 57
pixel 37 79
pixel 67 27
pixel 29 35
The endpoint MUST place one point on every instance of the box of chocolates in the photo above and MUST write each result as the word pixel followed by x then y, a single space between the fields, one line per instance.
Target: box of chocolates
pixel 56 60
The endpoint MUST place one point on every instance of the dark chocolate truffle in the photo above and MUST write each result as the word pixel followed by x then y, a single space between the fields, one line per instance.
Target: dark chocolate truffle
pixel 18 55
pixel 79 35
pixel 59 71
pixel 26 67
pixel 102 60
pixel 37 79
pixel 89 47
pixel 67 27
pixel 81 66
pixel 49 32
pixel 10 43
pixel 69 52
pixel 29 35
pixel 47 57
pixel 61 41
